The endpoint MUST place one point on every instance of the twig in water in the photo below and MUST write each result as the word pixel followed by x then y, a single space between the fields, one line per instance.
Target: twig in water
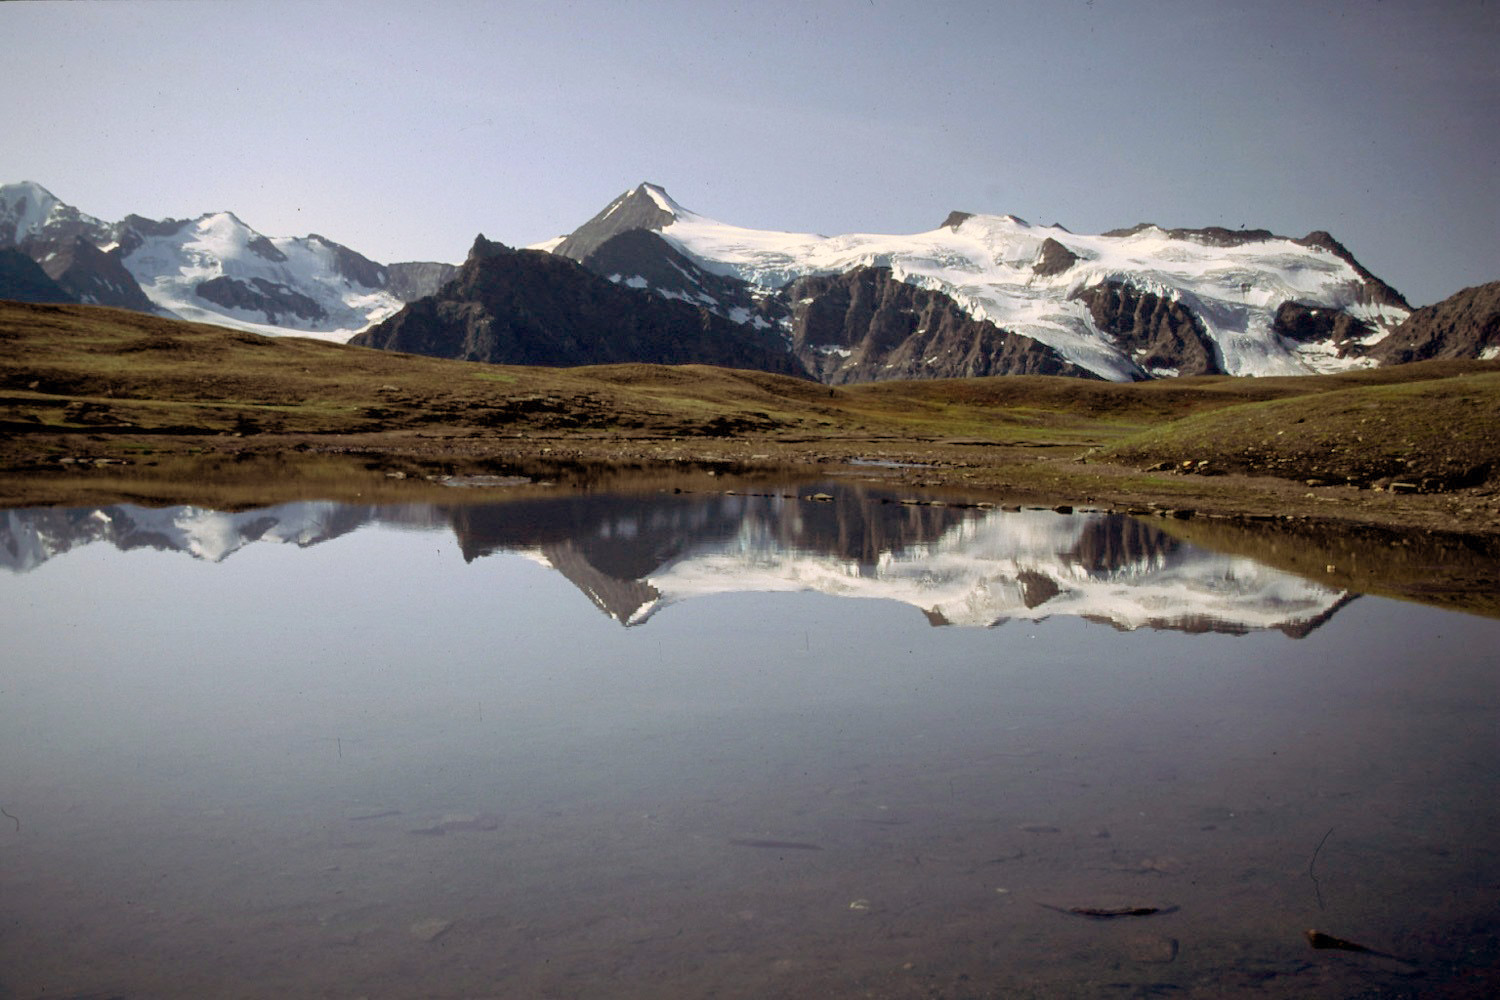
pixel 11 818
pixel 1318 889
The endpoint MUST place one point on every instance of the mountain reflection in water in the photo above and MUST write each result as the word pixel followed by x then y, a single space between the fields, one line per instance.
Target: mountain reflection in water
pixel 414 762
pixel 635 554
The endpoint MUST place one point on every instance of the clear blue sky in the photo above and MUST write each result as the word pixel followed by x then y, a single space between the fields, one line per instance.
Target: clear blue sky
pixel 403 130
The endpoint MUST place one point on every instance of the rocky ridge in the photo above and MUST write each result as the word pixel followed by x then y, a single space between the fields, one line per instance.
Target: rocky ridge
pixel 1464 325
pixel 532 308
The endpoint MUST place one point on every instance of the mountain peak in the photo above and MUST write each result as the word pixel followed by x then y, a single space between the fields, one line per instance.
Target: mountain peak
pixel 956 219
pixel 27 188
pixel 25 208
pixel 659 197
pixel 646 206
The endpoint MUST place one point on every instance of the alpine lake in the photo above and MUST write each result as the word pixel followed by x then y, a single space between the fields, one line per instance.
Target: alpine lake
pixel 746 740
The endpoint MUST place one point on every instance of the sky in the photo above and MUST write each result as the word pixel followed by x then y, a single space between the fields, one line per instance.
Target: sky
pixel 402 130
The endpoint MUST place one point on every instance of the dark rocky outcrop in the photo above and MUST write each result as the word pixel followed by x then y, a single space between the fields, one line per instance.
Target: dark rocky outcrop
pixel 1053 258
pixel 641 258
pixel 1464 325
pixel 274 301
pixel 133 229
pixel 90 275
pixel 956 219
pixel 1213 236
pixel 1156 332
pixel 865 325
pixel 23 280
pixel 412 280
pixel 534 308
pixel 263 247
pixel 352 266
pixel 1307 324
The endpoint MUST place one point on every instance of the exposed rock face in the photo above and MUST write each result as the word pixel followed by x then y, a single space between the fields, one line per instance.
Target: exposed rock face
pixel 1311 324
pixel 263 247
pixel 533 308
pixel 351 265
pixel 1213 236
pixel 1375 291
pixel 135 228
pixel 639 258
pixel 66 243
pixel 1158 333
pixel 1054 258
pixel 23 280
pixel 412 280
pixel 91 275
pixel 865 325
pixel 277 302
pixel 1464 325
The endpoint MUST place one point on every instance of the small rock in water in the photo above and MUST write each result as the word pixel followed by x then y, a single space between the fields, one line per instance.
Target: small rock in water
pixel 1156 949
pixel 1038 828
pixel 430 929
pixel 458 823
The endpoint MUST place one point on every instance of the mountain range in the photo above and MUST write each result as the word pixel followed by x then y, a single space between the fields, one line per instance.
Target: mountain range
pixel 979 295
pixel 214 268
pixel 648 280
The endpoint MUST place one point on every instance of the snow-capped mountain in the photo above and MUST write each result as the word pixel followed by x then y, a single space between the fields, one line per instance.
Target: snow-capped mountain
pixel 214 269
pixel 1126 304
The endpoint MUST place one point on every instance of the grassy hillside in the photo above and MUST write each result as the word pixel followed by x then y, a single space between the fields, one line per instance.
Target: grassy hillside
pixel 83 386
pixel 1432 435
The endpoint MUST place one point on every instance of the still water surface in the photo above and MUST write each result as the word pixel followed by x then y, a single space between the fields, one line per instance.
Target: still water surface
pixel 732 746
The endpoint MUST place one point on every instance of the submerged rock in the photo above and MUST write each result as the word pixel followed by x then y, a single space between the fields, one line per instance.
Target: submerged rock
pixel 430 929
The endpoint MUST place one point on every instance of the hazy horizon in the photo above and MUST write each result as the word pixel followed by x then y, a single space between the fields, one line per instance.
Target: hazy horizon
pixel 402 131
